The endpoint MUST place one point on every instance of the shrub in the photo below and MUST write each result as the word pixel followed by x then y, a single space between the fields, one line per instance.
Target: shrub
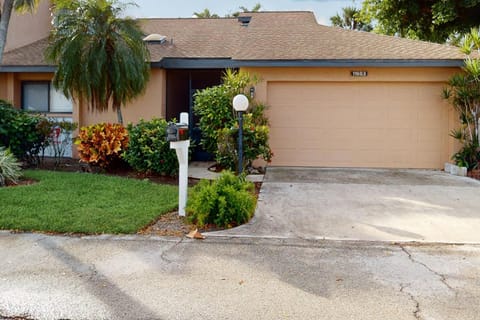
pixel 463 92
pixel 219 126
pixel 225 202
pixel 102 144
pixel 25 134
pixel 10 170
pixel 148 149
pixel 255 142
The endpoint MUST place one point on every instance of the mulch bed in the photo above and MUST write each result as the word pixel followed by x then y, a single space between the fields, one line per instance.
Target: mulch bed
pixel 474 174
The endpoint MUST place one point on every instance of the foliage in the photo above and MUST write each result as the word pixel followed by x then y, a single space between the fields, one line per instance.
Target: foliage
pixel 255 8
pixel 10 170
pixel 350 20
pixel 432 20
pixel 102 144
pixel 226 202
pixel 463 93
pixel 214 107
pixel 100 55
pixel 255 141
pixel 148 150
pixel 25 134
pixel 84 203
pixel 7 7
pixel 206 14
pixel 218 121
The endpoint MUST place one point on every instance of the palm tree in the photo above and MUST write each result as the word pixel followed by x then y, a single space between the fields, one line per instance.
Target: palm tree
pixel 205 14
pixel 349 20
pixel 5 14
pixel 100 56
pixel 255 8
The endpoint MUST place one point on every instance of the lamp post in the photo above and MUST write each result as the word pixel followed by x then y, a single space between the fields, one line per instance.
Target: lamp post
pixel 240 104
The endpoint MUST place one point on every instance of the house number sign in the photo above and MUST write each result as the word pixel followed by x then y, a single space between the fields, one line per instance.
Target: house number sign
pixel 359 73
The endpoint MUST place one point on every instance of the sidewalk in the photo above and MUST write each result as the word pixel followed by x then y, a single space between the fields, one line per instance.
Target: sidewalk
pixel 199 170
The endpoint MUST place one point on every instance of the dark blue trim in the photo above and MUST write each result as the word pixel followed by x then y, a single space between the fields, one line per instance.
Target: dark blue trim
pixel 194 63
pixel 202 63
pixel 351 63
pixel 222 63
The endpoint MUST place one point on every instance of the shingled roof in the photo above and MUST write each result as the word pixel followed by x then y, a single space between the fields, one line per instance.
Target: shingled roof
pixel 268 39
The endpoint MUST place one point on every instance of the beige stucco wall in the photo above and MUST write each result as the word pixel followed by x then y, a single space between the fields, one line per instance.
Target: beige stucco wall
pixel 25 28
pixel 314 97
pixel 150 104
pixel 343 75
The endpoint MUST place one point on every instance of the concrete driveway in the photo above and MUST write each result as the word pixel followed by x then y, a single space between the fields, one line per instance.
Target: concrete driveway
pixel 365 204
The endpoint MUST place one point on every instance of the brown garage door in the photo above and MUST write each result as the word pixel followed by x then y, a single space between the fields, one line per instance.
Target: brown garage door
pixel 382 125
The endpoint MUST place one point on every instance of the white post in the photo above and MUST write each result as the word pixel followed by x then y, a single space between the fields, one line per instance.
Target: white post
pixel 181 148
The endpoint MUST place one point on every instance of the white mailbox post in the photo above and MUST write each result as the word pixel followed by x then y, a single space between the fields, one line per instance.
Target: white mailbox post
pixel 181 148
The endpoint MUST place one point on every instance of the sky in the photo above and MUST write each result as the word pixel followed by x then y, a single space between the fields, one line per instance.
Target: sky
pixel 323 9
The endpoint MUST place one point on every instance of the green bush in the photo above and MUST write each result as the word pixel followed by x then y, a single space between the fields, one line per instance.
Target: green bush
pixel 214 107
pixel 463 92
pixel 25 134
pixel 255 141
pixel 226 202
pixel 148 149
pixel 219 125
pixel 10 170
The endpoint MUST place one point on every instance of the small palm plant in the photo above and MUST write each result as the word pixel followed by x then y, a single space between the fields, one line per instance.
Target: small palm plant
pixel 464 94
pixel 10 170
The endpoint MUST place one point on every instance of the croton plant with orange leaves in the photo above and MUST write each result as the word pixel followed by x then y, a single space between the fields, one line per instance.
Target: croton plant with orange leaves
pixel 101 144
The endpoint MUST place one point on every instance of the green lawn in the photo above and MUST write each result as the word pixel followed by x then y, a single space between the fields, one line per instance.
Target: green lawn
pixel 83 203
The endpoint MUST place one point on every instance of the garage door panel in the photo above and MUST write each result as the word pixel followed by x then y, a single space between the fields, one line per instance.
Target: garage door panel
pixel 393 125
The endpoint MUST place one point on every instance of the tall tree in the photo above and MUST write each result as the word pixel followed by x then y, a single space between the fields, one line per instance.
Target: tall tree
pixel 350 20
pixel 100 55
pixel 5 14
pixel 255 8
pixel 432 20
pixel 205 14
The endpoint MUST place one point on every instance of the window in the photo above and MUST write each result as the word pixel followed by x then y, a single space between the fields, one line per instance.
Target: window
pixel 41 96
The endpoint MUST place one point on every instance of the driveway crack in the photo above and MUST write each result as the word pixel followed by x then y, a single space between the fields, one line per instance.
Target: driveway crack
pixel 163 256
pixel 417 311
pixel 442 277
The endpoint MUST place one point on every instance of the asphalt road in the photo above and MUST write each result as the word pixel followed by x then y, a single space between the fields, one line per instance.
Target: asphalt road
pixel 52 277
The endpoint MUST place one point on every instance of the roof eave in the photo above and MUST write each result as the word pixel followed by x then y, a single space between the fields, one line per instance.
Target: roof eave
pixel 33 69
pixel 353 63
pixel 222 63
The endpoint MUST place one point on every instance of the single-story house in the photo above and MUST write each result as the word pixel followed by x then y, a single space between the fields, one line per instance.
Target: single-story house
pixel 337 98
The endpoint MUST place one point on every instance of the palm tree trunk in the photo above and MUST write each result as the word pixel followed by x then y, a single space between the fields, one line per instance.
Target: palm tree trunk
pixel 119 115
pixel 4 21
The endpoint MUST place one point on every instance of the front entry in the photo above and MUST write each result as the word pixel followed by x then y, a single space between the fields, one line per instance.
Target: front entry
pixel 181 87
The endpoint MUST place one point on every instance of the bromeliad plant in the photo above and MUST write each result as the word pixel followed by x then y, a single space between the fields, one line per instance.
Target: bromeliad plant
pixel 464 94
pixel 102 144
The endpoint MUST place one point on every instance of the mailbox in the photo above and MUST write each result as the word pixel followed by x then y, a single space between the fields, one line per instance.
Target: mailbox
pixel 177 132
